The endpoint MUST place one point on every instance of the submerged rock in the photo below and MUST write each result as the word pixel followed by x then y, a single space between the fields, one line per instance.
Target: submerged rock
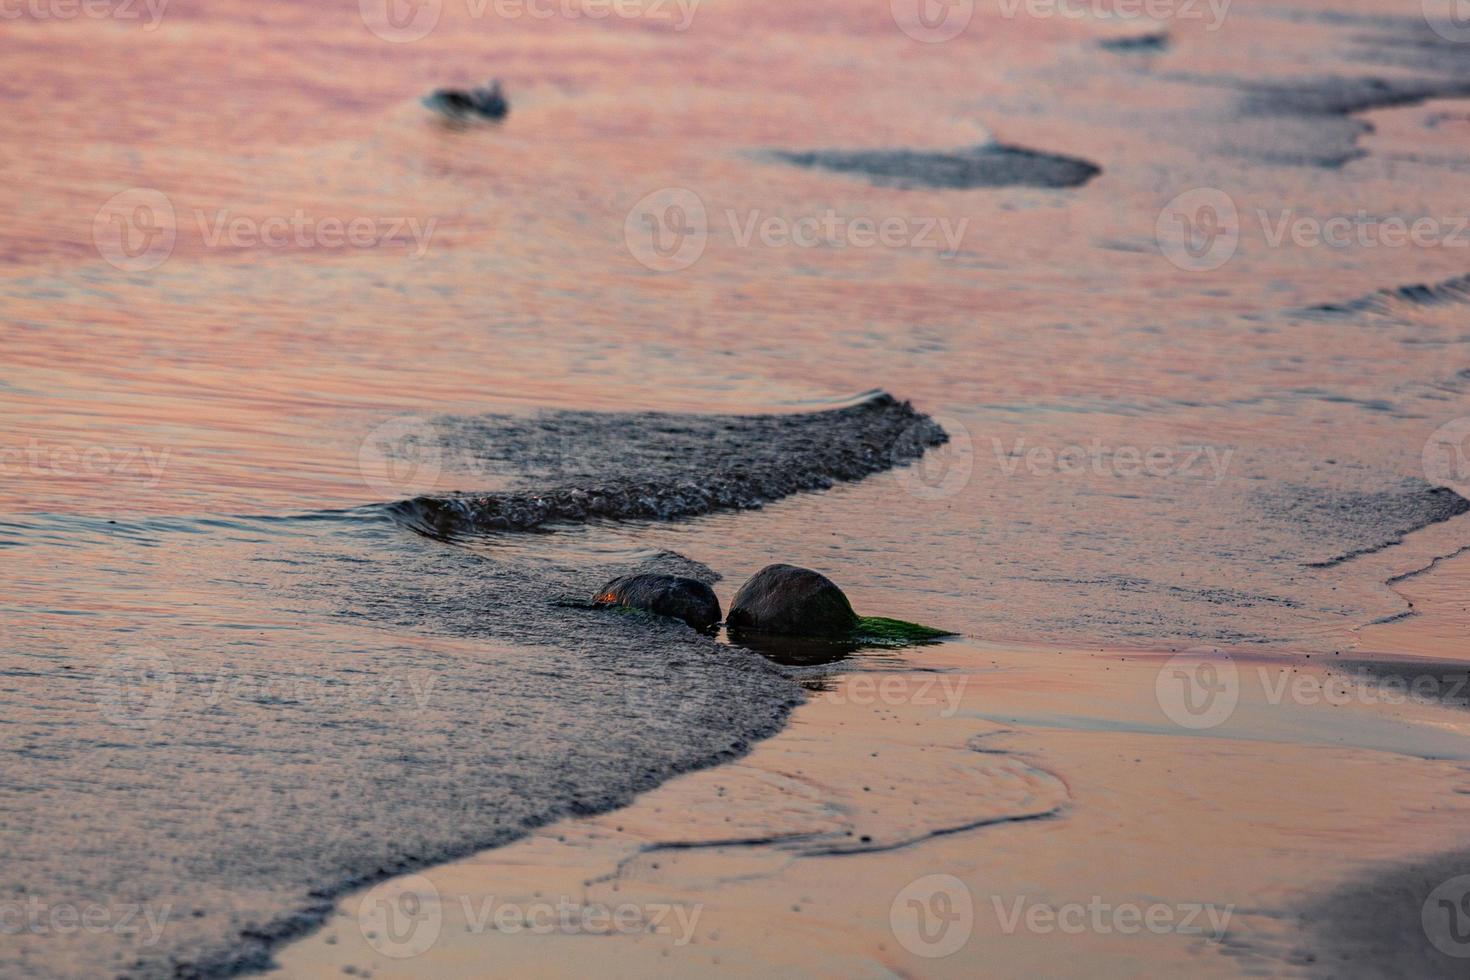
pixel 792 601
pixel 667 595
pixel 487 103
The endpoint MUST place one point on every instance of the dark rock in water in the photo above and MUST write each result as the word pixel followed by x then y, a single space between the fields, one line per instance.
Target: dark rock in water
pixel 988 165
pixel 487 103
pixel 667 595
pixel 791 601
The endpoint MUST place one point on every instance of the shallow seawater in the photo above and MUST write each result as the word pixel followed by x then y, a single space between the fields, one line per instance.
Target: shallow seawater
pixel 225 658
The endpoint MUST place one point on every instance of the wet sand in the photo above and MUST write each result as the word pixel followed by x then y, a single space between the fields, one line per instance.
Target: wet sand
pixel 967 809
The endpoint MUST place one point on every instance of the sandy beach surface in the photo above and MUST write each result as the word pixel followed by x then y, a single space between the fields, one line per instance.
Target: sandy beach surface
pixel 1125 342
pixel 971 810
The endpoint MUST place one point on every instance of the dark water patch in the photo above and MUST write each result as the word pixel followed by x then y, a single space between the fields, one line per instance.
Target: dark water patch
pixel 1407 920
pixel 659 466
pixel 1151 43
pixel 1348 523
pixel 988 165
pixel 1337 398
pixel 1398 680
pixel 1346 96
pixel 1410 43
pixel 1310 121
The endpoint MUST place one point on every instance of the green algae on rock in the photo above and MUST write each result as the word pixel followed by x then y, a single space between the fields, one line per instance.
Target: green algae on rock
pixel 879 631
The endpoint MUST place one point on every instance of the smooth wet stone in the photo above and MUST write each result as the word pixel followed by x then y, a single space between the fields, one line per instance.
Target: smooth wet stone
pixel 791 601
pixel 667 595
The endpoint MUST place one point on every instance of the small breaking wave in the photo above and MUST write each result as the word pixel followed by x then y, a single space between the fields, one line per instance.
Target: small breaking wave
pixel 663 466
pixel 1456 290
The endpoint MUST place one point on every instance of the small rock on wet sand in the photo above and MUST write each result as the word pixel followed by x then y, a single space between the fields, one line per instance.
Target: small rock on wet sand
pixel 791 601
pixel 667 595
